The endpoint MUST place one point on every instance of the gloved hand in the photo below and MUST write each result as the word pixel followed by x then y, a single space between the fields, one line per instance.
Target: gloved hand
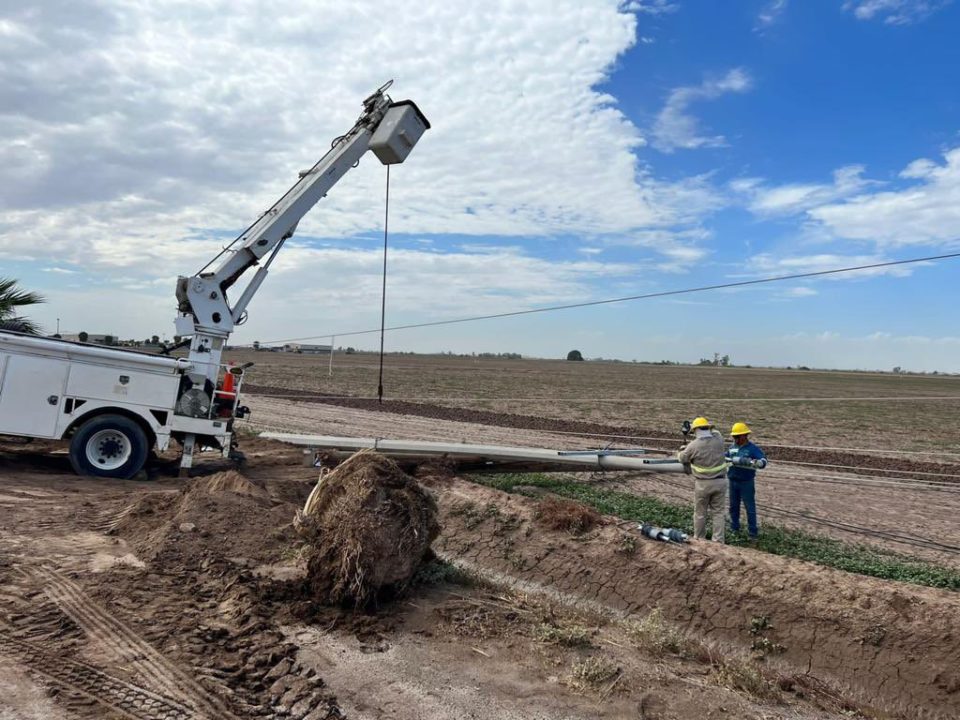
pixel 746 462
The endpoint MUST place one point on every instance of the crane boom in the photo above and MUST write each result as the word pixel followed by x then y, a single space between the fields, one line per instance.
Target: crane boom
pixel 390 129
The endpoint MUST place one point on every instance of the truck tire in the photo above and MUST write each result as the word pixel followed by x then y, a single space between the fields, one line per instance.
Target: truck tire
pixel 109 446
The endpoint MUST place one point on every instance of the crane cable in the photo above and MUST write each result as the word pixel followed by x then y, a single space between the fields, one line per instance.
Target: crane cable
pixel 383 292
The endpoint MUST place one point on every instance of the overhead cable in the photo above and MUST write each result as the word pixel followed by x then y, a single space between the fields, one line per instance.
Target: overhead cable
pixel 628 298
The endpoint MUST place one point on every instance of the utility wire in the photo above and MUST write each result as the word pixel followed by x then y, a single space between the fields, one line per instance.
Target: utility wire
pixel 645 296
pixel 872 469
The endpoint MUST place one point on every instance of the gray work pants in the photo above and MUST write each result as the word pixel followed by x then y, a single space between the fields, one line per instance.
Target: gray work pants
pixel 710 498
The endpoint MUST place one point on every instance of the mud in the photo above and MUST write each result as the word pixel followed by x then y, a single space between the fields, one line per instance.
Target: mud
pixel 367 528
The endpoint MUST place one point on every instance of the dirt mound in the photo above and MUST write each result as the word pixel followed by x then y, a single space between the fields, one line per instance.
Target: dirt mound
pixel 368 526
pixel 227 481
pixel 562 514
pixel 222 515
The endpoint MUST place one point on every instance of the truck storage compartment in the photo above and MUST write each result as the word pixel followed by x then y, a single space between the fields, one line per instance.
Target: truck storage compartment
pixel 31 393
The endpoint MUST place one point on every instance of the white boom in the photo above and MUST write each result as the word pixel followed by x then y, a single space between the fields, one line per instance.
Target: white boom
pixel 390 129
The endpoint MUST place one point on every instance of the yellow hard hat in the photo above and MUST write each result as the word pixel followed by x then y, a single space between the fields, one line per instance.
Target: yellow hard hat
pixel 700 422
pixel 739 429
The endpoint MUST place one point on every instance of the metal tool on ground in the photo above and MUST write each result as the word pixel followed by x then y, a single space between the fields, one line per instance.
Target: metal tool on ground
pixel 670 535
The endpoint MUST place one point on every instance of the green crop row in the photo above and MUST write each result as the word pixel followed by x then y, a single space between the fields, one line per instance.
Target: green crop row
pixel 773 539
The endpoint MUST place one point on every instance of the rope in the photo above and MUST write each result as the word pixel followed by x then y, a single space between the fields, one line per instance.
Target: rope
pixel 865 481
pixel 634 400
pixel 860 467
pixel 383 293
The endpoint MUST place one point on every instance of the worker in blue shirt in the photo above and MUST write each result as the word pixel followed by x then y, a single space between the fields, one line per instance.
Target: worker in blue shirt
pixel 745 458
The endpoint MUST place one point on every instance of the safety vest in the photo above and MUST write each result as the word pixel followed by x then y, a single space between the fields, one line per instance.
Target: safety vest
pixel 715 470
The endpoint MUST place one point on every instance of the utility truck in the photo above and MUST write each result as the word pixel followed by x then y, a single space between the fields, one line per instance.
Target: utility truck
pixel 116 405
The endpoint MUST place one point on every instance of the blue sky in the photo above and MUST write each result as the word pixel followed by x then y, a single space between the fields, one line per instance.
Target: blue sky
pixel 579 151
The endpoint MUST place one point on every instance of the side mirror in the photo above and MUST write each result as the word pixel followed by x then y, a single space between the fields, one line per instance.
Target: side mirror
pixel 686 428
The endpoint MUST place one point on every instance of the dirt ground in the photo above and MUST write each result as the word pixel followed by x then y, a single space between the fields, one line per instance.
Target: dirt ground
pixel 184 599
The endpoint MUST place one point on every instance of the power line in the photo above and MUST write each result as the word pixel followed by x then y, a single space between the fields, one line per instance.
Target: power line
pixel 646 296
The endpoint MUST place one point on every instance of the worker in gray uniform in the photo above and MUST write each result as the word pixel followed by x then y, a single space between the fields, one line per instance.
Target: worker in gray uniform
pixel 704 458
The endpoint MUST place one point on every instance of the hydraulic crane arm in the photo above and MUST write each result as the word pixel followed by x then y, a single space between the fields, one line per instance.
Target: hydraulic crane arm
pixel 389 129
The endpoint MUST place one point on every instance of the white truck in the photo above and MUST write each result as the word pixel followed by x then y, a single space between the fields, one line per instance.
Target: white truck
pixel 115 405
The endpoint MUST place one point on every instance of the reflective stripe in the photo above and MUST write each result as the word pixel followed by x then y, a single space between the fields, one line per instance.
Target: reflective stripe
pixel 709 470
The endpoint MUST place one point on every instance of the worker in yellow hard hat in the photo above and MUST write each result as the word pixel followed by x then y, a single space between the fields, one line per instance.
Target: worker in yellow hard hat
pixel 745 459
pixel 704 458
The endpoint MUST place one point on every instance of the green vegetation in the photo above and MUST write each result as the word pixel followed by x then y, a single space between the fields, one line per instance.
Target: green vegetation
pixel 799 544
pixel 441 572
pixel 591 672
pixel 569 636
pixel 12 300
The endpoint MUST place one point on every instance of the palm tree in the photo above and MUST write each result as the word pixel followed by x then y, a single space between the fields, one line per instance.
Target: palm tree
pixel 12 299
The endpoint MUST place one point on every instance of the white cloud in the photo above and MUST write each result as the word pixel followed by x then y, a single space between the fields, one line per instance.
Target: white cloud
pixel 770 14
pixel 927 212
pixel 793 198
pixel 894 12
pixel 879 350
pixel 676 128
pixel 136 130
pixel 772 264
pixel 313 290
pixel 801 291
pixel 652 7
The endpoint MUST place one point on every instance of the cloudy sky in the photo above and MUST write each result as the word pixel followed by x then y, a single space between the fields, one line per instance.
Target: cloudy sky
pixel 580 150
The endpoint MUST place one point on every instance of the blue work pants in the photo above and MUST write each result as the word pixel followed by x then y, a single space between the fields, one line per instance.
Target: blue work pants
pixel 743 491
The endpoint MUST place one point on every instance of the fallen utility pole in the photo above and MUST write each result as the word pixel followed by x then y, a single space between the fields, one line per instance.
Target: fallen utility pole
pixel 466 458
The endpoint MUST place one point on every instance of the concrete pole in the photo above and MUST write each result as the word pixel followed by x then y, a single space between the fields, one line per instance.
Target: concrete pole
pixel 333 339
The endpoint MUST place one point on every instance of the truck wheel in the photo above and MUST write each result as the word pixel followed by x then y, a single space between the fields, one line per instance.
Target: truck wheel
pixel 111 446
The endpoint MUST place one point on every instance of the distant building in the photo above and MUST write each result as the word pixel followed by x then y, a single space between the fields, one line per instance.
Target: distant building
pixel 309 349
pixel 91 338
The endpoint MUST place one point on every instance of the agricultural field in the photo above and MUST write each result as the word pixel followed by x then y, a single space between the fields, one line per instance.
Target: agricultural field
pixel 186 597
pixel 845 409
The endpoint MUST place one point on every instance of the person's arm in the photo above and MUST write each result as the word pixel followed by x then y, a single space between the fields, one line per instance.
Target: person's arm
pixel 759 458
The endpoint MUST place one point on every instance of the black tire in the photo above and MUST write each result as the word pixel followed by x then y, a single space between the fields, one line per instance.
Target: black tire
pixel 109 446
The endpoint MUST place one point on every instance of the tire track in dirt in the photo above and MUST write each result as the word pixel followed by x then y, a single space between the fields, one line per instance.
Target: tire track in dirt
pixel 121 642
pixel 125 698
